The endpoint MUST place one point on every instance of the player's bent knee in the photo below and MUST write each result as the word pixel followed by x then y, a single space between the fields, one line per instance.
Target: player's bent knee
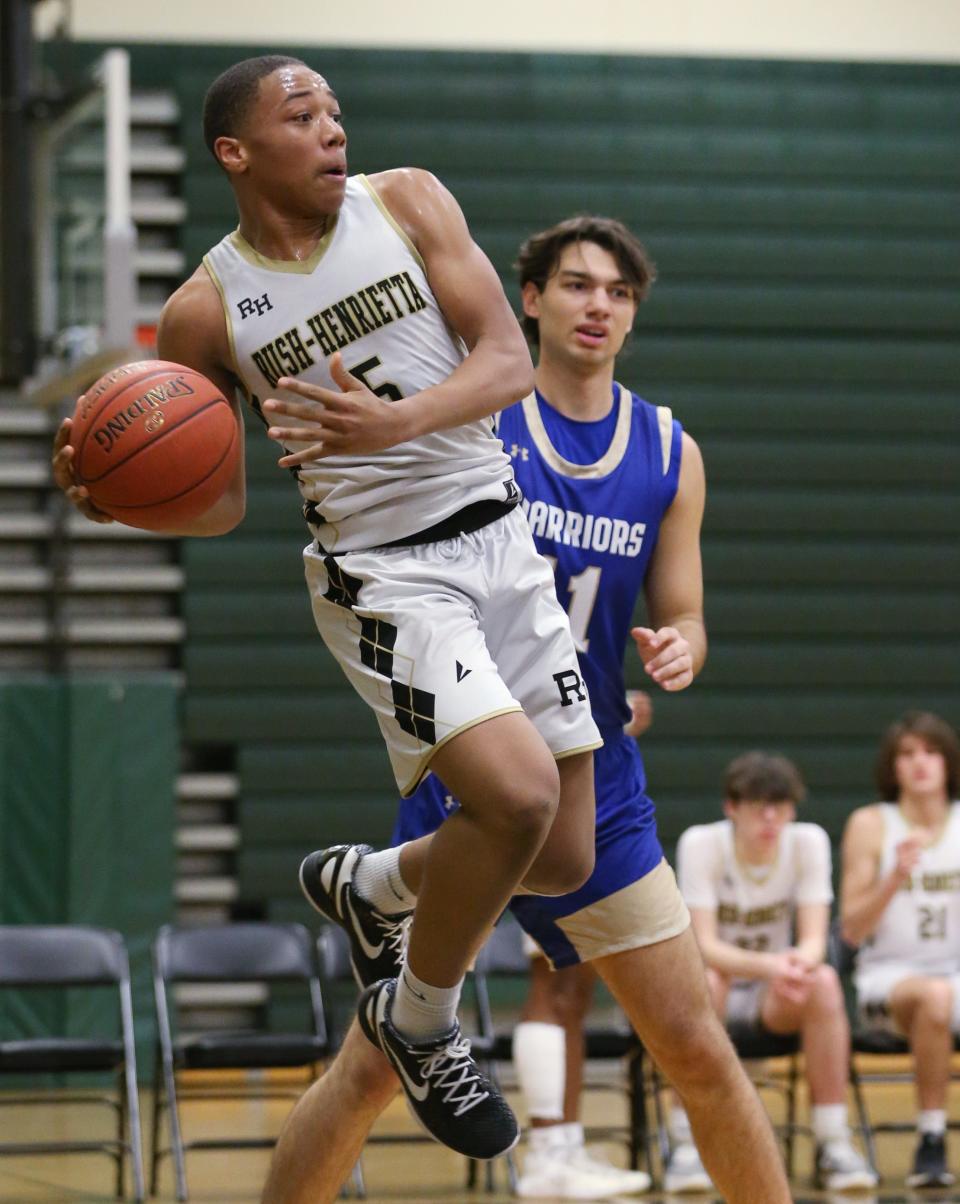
pixel 525 814
pixel 826 994
pixel 935 1006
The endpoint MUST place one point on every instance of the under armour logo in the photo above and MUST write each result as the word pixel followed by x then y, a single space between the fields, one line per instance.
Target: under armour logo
pixel 462 673
pixel 254 305
pixel 570 684
pixel 516 450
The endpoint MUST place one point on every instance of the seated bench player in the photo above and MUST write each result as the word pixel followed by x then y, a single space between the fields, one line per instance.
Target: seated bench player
pixel 900 902
pixel 758 885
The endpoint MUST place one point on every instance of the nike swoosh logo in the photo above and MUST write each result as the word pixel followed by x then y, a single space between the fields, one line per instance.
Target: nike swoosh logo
pixel 371 951
pixel 419 1093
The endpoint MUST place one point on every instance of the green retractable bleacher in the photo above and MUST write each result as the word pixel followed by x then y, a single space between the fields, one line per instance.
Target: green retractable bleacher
pixel 805 218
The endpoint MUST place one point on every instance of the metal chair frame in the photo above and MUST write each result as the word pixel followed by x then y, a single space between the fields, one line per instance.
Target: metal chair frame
pixel 61 957
pixel 250 952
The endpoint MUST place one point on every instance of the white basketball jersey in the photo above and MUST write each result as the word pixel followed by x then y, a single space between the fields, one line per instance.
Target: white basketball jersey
pixel 363 292
pixel 755 905
pixel 920 926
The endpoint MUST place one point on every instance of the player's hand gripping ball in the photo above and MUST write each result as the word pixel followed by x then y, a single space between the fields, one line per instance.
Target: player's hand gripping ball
pixel 155 443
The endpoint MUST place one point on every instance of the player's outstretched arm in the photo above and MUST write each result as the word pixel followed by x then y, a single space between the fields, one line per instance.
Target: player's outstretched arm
pixel 674 648
pixel 496 372
pixel 192 331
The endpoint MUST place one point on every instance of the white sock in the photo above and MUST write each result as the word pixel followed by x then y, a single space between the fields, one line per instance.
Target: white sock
pixel 539 1057
pixel 679 1125
pixel 829 1122
pixel 420 1011
pixel 546 1138
pixel 575 1137
pixel 378 880
pixel 934 1121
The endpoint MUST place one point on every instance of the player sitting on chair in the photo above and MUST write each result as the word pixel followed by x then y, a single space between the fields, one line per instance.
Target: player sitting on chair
pixel 900 899
pixel 758 886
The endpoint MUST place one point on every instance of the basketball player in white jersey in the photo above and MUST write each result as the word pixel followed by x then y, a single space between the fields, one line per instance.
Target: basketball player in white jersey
pixel 584 437
pixel 900 903
pixel 758 885
pixel 359 318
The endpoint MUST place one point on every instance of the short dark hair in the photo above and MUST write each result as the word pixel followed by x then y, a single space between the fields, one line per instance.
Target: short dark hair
pixel 539 257
pixel 932 730
pixel 231 94
pixel 763 777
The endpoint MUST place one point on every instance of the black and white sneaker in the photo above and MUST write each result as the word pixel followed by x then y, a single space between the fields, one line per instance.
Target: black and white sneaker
pixel 376 939
pixel 454 1102
pixel 930 1163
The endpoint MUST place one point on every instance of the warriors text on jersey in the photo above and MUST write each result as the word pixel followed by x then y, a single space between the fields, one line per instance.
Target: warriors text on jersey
pixel 597 520
pixel 920 926
pixel 363 292
pixel 754 905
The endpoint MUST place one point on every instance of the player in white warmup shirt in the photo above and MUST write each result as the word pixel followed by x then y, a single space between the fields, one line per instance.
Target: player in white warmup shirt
pixel 368 330
pixel 900 903
pixel 758 885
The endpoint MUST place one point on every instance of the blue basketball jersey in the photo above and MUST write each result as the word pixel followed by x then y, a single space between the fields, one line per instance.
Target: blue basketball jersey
pixel 595 494
pixel 596 520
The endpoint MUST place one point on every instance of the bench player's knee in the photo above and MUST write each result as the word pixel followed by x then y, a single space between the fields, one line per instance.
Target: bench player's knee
pixel 935 1004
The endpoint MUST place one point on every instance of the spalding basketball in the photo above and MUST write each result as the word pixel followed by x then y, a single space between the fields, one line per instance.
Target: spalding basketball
pixel 155 444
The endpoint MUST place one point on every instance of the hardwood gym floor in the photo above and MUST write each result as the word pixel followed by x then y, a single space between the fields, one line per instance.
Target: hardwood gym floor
pixel 422 1173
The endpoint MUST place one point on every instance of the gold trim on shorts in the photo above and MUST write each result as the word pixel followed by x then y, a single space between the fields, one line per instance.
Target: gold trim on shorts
pixel 424 763
pixel 646 912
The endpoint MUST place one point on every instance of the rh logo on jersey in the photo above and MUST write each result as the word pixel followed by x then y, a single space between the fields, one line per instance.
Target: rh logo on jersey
pixel 571 687
pixel 254 305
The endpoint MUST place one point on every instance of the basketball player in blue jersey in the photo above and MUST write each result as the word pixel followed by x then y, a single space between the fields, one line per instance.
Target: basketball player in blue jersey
pixel 371 333
pixel 614 492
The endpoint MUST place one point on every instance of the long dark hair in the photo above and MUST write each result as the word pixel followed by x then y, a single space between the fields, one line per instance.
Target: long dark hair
pixel 932 730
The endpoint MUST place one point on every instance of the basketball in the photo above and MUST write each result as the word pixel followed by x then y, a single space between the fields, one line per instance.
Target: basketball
pixel 155 443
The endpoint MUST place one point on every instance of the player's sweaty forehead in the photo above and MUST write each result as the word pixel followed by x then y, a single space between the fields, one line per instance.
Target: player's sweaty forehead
pixel 293 82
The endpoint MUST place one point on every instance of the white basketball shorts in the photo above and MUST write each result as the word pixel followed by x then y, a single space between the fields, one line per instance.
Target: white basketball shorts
pixel 441 636
pixel 874 986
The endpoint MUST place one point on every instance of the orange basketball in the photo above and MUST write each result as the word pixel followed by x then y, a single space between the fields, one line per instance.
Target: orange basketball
pixel 155 443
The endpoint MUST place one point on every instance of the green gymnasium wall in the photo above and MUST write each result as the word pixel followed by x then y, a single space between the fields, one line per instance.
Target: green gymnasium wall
pixel 806 222
pixel 88 768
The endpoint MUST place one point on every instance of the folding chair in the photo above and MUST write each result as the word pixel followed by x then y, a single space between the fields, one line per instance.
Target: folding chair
pixel 62 957
pixel 503 956
pixel 235 953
